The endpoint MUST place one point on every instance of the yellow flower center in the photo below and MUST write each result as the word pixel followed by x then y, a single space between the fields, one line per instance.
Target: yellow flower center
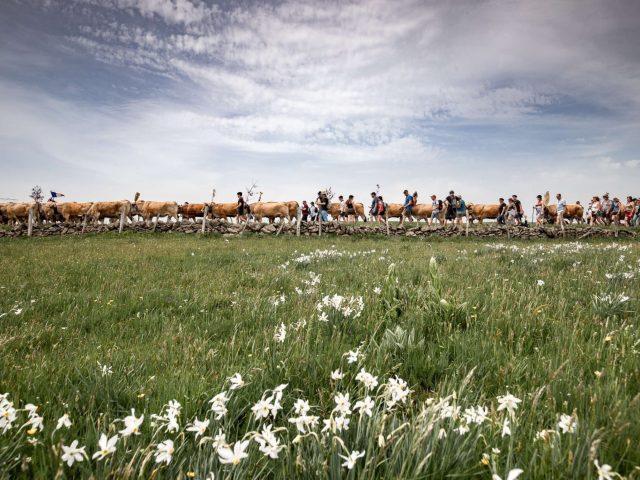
pixel 236 461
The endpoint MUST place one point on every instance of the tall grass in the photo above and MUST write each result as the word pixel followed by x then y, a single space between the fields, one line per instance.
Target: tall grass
pixel 95 326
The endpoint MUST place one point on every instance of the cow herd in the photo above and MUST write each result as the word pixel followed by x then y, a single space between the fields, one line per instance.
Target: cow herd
pixel 75 212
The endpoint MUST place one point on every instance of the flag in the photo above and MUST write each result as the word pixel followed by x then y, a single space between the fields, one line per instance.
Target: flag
pixel 56 194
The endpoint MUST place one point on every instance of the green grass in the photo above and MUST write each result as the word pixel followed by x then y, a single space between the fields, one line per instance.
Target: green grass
pixel 174 316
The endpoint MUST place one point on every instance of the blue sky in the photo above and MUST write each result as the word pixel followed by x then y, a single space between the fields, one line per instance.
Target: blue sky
pixel 103 98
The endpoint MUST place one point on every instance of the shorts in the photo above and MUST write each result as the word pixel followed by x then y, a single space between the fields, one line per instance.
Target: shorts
pixel 460 214
pixel 351 211
pixel 435 214
pixel 239 211
pixel 408 209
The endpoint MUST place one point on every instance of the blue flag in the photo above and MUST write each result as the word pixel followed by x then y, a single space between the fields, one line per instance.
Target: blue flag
pixel 56 194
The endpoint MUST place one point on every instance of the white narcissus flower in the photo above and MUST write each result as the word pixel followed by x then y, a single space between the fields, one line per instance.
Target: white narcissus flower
pixel 269 444
pixel 236 382
pixel 261 409
pixel 509 403
pixel 281 333
pixel 235 456
pixel 369 381
pixel 350 460
pixel 377 290
pixel 365 406
pixel 63 421
pixel 164 452
pixel 605 472
pixel 540 283
pixel 512 475
pixel 567 423
pixel 106 446
pixel 73 453
pixel 343 405
pixel 337 374
pixel 301 407
pixel 132 424
pixel 506 430
pixel 199 427
pixel 219 405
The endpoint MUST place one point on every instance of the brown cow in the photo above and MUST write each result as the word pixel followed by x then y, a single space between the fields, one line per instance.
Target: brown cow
pixel 223 210
pixel 572 212
pixel 74 211
pixel 110 210
pixel 19 212
pixel 334 211
pixel 423 211
pixel 191 210
pixel 270 211
pixel 3 213
pixel 50 212
pixel 149 209
pixel 483 211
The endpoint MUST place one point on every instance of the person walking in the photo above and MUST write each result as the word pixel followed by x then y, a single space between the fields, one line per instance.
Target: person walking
pixel 519 210
pixel 461 211
pixel 313 212
pixel 374 204
pixel 409 202
pixel 561 207
pixel 628 210
pixel 539 209
pixel 436 205
pixel 350 209
pixel 241 208
pixel 305 211
pixel 502 211
pixel 323 206
pixel 381 210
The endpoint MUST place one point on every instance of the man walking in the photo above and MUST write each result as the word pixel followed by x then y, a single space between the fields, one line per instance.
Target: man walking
pixel 373 213
pixel 560 209
pixel 409 202
pixel 241 208
pixel 502 211
pixel 435 210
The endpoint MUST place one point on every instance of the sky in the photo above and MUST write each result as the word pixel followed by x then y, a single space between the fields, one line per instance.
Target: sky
pixel 100 99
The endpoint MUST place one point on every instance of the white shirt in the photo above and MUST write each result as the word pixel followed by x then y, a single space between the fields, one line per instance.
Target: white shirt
pixel 562 205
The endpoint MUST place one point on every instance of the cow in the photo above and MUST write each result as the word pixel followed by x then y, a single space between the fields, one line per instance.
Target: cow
pixel 270 211
pixel 149 209
pixel 482 211
pixel 3 213
pixel 294 209
pixel 334 211
pixel 110 210
pixel 19 212
pixel 423 211
pixel 74 211
pixel 50 212
pixel 223 210
pixel 191 210
pixel 572 212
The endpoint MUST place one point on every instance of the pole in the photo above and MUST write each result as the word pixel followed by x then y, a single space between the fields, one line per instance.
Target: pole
pixel 30 224
pixel 204 218
pixel 299 220
pixel 121 221
pixel 84 222
pixel 281 225
pixel 466 215
pixel 386 219
pixel 155 223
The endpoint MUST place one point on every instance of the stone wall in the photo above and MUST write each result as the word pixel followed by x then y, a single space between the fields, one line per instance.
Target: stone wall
pixel 332 229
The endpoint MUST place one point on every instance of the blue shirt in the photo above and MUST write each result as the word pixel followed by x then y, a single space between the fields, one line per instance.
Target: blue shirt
pixel 407 201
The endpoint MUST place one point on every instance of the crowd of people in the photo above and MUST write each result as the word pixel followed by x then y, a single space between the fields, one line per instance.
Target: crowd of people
pixel 453 208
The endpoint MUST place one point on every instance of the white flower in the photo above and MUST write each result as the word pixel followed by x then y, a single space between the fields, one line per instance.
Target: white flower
pixel 508 402
pixel 365 406
pixel 396 391
pixel 17 311
pixel 236 382
pixel 219 440
pixel 132 424
pixel 377 290
pixel 342 403
pixel 353 355
pixel 198 427
pixel 567 423
pixel 301 407
pixel 105 370
pixel 164 452
pixel 235 456
pixel 512 475
pixel 281 333
pixel 106 446
pixel 506 430
pixel 350 460
pixel 442 433
pixel 63 421
pixel 304 423
pixel 605 472
pixel 323 317
pixel 36 422
pixel 219 405
pixel 341 423
pixel 337 375
pixel 368 380
pixel 269 444
pixel 540 283
pixel 7 413
pixel 261 409
pixel 462 429
pixel 72 453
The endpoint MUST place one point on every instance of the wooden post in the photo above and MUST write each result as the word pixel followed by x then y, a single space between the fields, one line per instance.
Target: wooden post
pixel 155 223
pixel 121 221
pixel 298 221
pixel 319 222
pixel 466 215
pixel 84 222
pixel 386 220
pixel 30 224
pixel 281 225
pixel 204 218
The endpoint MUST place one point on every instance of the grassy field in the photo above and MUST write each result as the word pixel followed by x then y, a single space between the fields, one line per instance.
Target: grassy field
pixel 523 355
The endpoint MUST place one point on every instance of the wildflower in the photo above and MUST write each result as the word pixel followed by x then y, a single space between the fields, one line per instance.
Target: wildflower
pixel 198 427
pixel 396 391
pixel 164 452
pixel 598 373
pixel 506 430
pixel 476 415
pixel 132 424
pixel 269 444
pixel 462 429
pixel 540 283
pixel 605 472
pixel 433 263
pixel 261 409
pixel 485 459
pixel 442 433
pixel 106 446
pixel 236 382
pixel 508 402
pixel 219 440
pixel 219 405
pixel 337 375
pixel 367 379
pixel 105 370
pixel 353 355
pixel 301 407
pixel 36 422
pixel 281 333
pixel 235 456
pixel 17 311
pixel 567 423
pixel 365 406
pixel 341 423
pixel 304 422
pixel 63 421
pixel 377 290
pixel 350 460
pixel 342 403
pixel 72 453
pixel 323 317
pixel 7 413
pixel 512 475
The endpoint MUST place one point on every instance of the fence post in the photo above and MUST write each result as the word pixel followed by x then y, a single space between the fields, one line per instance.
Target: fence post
pixel 298 221
pixel 320 223
pixel 121 221
pixel 466 215
pixel 30 223
pixel 386 220
pixel 155 223
pixel 84 222
pixel 281 225
pixel 204 218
